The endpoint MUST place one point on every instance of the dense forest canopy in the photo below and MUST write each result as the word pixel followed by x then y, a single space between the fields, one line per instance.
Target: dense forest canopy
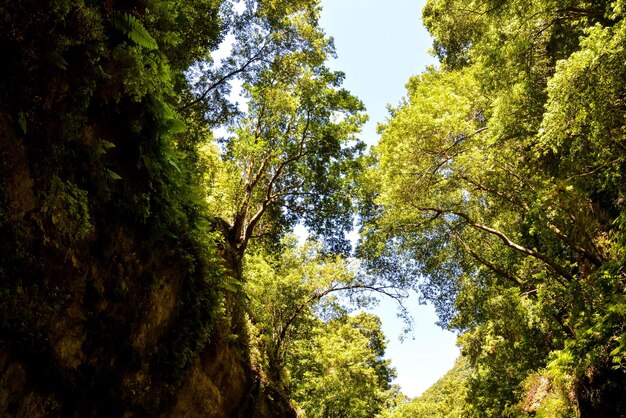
pixel 499 182
pixel 148 268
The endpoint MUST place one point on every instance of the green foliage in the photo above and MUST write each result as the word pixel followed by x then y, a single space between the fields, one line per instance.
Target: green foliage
pixel 332 366
pixel 132 223
pixel 66 207
pixel 113 214
pixel 286 290
pixel 133 28
pixel 292 155
pixel 548 395
pixel 498 186
pixel 445 398
pixel 340 371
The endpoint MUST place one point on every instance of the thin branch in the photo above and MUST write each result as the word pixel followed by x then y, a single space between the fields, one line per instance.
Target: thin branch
pixel 580 11
pixel 316 296
pixel 532 292
pixel 501 272
pixel 507 241
pixel 256 57
pixel 595 170
pixel 577 248
pixel 502 195
pixel 564 238
pixel 257 128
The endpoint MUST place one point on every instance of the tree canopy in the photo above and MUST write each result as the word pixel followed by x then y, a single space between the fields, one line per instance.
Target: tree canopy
pixel 147 268
pixel 330 361
pixel 499 183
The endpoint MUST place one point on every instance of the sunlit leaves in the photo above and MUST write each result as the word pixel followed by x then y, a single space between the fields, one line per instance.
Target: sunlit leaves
pixel 329 362
pixel 340 371
pixel 583 124
pixel 500 179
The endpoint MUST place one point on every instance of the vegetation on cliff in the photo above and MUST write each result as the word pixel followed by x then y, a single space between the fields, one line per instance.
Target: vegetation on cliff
pixel 124 224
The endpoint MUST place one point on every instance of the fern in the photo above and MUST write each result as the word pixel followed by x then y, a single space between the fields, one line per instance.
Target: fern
pixel 112 175
pixel 230 284
pixel 22 122
pixel 133 28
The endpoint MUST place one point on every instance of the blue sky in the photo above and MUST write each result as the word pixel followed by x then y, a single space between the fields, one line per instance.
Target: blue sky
pixel 380 44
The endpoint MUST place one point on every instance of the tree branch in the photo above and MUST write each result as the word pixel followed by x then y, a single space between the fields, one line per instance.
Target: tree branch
pixel 519 203
pixel 503 273
pixel 595 170
pixel 507 241
pixel 318 296
pixel 256 57
pixel 247 231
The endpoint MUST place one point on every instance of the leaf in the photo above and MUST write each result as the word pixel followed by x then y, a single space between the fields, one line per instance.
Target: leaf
pixel 104 146
pixel 173 164
pixel 22 122
pixel 133 29
pixel 230 284
pixel 113 175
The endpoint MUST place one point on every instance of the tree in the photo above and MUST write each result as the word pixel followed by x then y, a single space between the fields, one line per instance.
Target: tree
pixel 340 371
pixel 293 152
pixel 445 398
pixel 292 293
pixel 306 343
pixel 290 157
pixel 497 181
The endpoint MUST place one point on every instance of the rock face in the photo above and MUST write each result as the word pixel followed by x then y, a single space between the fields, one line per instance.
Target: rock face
pixel 111 301
pixel 110 326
